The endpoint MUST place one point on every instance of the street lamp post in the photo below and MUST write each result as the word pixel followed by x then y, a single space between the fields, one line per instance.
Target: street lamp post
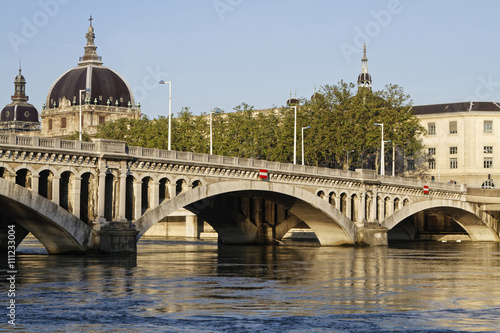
pixel 382 157
pixel 216 111
pixel 169 112
pixel 393 160
pixel 80 122
pixel 349 151
pixel 295 135
pixel 303 128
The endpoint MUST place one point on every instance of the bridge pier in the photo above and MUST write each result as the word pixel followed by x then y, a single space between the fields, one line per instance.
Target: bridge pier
pixel 193 226
pixel 372 235
pixel 114 237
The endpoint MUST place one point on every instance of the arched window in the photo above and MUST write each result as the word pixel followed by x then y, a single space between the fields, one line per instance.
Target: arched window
pixel 488 184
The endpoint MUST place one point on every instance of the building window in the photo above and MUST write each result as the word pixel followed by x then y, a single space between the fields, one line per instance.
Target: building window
pixel 488 126
pixel 411 165
pixel 50 124
pixel 432 164
pixel 102 119
pixel 63 122
pixel 488 149
pixel 431 128
pixel 453 163
pixel 432 151
pixel 453 150
pixel 488 162
pixel 453 127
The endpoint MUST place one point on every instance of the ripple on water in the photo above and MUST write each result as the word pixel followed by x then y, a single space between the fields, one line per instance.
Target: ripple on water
pixel 202 287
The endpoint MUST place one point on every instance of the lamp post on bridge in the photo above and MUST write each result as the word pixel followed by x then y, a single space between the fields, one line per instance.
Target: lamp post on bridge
pixel 303 128
pixel 80 113
pixel 288 102
pixel 382 157
pixel 216 111
pixel 295 134
pixel 169 112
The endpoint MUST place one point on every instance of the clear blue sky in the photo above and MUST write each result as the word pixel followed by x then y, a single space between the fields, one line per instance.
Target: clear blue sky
pixel 220 53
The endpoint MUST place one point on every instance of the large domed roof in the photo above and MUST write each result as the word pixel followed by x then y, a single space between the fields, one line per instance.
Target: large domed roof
pixel 100 82
pixel 104 84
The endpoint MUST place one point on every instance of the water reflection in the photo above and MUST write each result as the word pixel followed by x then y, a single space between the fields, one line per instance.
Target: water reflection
pixel 200 286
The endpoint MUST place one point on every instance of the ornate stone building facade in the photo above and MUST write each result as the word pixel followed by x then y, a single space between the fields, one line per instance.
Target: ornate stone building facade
pixel 90 93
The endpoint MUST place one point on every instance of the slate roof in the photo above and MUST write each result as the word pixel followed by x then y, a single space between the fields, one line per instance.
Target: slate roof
pixel 456 107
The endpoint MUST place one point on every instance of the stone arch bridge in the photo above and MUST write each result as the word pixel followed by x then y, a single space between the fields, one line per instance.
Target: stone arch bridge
pixel 104 195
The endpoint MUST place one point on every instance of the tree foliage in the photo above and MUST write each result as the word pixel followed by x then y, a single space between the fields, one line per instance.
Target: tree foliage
pixel 341 120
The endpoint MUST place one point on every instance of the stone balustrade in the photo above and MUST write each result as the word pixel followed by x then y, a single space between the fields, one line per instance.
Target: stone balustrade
pixel 106 147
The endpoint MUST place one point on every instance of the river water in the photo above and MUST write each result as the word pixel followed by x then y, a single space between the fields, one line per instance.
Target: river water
pixel 199 286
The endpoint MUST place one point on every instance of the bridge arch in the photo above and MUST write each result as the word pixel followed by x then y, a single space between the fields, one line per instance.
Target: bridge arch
pixel 57 229
pixel 330 225
pixel 25 166
pixel 161 177
pixel 181 185
pixel 197 181
pixel 462 212
pixel 7 171
pixel 81 172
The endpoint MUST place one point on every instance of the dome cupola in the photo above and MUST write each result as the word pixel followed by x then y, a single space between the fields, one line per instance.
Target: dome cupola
pixel 102 85
pixel 19 116
pixel 86 96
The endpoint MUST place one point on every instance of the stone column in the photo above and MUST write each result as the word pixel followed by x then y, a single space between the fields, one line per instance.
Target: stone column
pixel 35 183
pixel 137 199
pixel 56 196
pixel 389 210
pixel 381 209
pixel 77 186
pixel 155 192
pixel 122 204
pixel 336 199
pixel 348 207
pixel 362 208
pixel 101 197
pixel 373 213
pixel 172 189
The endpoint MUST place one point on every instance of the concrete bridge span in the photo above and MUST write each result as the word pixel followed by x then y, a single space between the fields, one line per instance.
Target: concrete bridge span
pixel 57 229
pixel 466 214
pixel 104 195
pixel 330 225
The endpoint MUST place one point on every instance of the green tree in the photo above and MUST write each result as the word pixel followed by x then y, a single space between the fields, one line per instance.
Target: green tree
pixel 342 120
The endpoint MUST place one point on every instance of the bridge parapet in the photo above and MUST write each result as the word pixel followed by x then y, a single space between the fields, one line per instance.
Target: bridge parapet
pixel 277 171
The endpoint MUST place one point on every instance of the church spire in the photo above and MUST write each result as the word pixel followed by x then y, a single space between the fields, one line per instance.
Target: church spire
pixel 90 56
pixel 364 79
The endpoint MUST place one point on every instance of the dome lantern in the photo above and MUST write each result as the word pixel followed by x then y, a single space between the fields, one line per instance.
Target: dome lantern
pixel 364 79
